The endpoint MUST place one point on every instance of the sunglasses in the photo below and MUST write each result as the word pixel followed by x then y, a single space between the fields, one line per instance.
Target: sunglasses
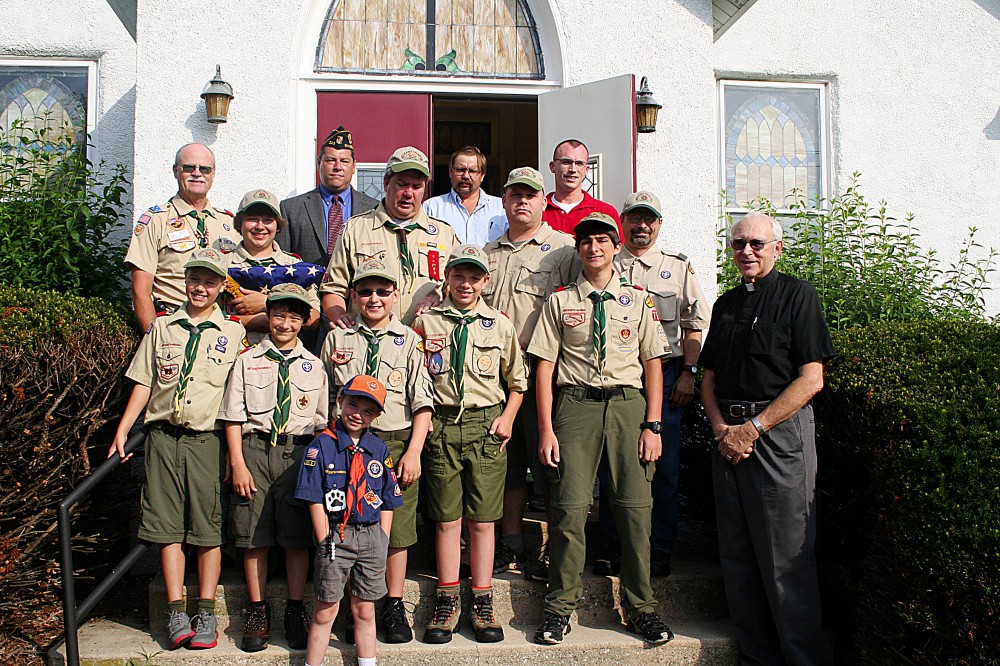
pixel 365 293
pixel 756 244
pixel 190 168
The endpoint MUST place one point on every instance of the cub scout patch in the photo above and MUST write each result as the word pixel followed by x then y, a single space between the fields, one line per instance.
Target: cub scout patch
pixel 625 300
pixel 388 462
pixel 625 334
pixel 649 301
pixel 303 401
pixel 395 378
pixel 435 343
pixel 175 223
pixel 484 363
pixel 139 229
pixel 372 499
pixel 573 317
pixel 375 469
pixel 169 371
pixel 342 356
pixel 421 347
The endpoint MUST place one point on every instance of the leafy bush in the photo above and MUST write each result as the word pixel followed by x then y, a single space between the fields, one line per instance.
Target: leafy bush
pixel 62 360
pixel 867 266
pixel 56 213
pixel 908 427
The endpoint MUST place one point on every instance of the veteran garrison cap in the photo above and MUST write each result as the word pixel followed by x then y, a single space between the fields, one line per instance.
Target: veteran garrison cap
pixel 407 158
pixel 642 199
pixel 596 223
pixel 209 258
pixel 366 386
pixel 373 268
pixel 288 291
pixel 339 139
pixel 262 197
pixel 526 176
pixel 468 254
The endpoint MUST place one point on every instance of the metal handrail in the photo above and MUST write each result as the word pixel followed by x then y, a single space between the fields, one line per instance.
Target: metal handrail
pixel 73 615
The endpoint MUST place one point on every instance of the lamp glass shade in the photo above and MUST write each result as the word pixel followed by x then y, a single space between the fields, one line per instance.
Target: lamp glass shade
pixel 645 116
pixel 217 107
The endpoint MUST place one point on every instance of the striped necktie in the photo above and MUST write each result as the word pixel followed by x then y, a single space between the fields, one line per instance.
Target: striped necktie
pixel 405 256
pixel 371 356
pixel 190 353
pixel 600 327
pixel 334 224
pixel 283 401
pixel 459 342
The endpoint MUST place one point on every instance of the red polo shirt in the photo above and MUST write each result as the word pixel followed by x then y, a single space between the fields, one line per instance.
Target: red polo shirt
pixel 562 221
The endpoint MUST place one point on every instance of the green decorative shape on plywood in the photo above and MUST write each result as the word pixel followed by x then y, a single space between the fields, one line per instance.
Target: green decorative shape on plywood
pixel 413 62
pixel 446 63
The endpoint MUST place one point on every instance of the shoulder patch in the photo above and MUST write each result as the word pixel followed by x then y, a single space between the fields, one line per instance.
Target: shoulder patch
pixel 162 313
pixel 234 318
pixel 682 256
pixel 296 256
pixel 226 212
pixel 558 289
pixel 637 287
pixel 149 328
pixel 155 209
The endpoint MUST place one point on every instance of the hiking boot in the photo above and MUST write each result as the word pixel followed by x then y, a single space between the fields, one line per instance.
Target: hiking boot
pixel 179 629
pixel 257 631
pixel 553 629
pixel 659 564
pixel 445 621
pixel 484 621
pixel 506 558
pixel 206 631
pixel 296 627
pixel 538 568
pixel 397 629
pixel 651 628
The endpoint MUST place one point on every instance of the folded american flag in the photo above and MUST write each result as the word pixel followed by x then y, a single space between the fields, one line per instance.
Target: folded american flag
pixel 264 278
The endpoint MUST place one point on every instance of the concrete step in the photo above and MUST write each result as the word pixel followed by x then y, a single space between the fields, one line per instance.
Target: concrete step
pixel 705 642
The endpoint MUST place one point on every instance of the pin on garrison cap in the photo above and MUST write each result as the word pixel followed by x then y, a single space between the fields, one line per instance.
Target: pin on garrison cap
pixel 596 223
pixel 262 197
pixel 526 176
pixel 339 139
pixel 407 158
pixel 209 258
pixel 366 386
pixel 642 199
pixel 373 268
pixel 469 254
pixel 288 291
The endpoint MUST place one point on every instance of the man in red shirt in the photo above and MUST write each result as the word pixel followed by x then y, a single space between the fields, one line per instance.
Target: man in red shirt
pixel 570 203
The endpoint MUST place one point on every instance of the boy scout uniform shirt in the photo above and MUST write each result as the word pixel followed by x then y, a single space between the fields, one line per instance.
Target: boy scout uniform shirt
pixel 668 278
pixel 400 368
pixel 521 277
pixel 160 357
pixel 366 237
pixel 565 335
pixel 164 238
pixel 492 352
pixel 252 392
pixel 326 467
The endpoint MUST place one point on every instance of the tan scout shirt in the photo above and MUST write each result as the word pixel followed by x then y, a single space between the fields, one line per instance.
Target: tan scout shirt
pixel 400 368
pixel 164 238
pixel 252 391
pixel 492 352
pixel 365 237
pixel 565 335
pixel 160 357
pixel 674 290
pixel 521 277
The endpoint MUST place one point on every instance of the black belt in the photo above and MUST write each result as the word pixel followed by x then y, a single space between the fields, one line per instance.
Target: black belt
pixel 596 394
pixel 742 408
pixel 297 440
pixel 398 435
pixel 176 431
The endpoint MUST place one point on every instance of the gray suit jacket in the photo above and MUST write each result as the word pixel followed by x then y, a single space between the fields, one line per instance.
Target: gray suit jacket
pixel 305 234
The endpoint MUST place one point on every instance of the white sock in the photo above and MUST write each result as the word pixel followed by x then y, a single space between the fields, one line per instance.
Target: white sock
pixel 367 661
pixel 319 664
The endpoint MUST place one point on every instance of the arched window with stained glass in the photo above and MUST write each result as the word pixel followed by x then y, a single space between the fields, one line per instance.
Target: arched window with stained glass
pixel 468 38
pixel 49 98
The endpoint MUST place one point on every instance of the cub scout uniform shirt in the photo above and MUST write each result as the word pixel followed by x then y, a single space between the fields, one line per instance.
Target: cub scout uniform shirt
pixel 252 392
pixel 492 351
pixel 565 335
pixel 164 238
pixel 400 368
pixel 668 278
pixel 366 236
pixel 160 358
pixel 522 276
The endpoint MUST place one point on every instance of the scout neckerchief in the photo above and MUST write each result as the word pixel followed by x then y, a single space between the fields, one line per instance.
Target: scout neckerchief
pixel 409 267
pixel 601 324
pixel 201 233
pixel 190 352
pixel 283 400
pixel 371 356
pixel 459 341
pixel 357 485
pixel 266 261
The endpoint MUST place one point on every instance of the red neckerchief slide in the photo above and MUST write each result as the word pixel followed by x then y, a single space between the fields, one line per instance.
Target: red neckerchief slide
pixel 357 485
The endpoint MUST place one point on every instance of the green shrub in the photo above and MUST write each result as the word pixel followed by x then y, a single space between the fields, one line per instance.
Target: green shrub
pixel 57 211
pixel 908 428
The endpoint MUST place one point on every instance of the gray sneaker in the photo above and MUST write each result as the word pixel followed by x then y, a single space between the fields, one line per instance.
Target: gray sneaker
pixel 206 632
pixel 179 629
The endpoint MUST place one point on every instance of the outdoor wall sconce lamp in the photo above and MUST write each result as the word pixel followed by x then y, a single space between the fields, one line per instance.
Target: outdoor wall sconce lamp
pixel 217 95
pixel 646 108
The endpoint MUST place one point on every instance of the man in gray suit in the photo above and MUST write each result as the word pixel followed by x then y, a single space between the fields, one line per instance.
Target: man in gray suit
pixel 317 218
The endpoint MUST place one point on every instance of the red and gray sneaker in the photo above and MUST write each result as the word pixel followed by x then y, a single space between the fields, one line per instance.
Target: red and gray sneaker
pixel 206 631
pixel 178 629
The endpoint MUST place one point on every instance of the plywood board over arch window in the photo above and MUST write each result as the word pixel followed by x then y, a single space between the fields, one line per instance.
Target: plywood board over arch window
pixel 465 38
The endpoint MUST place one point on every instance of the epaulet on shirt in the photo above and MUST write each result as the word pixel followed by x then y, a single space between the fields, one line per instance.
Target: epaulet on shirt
pixel 234 318
pixel 162 313
pixel 294 255
pixel 637 287
pixel 563 288
pixel 226 212
pixel 154 209
pixel 674 253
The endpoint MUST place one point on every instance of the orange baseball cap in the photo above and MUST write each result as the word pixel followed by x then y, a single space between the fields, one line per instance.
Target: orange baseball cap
pixel 366 386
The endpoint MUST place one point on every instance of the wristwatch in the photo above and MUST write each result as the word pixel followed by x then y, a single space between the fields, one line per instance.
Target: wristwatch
pixel 692 368
pixel 655 426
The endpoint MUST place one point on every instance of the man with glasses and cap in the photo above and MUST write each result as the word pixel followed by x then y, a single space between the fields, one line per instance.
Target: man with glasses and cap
pixel 763 361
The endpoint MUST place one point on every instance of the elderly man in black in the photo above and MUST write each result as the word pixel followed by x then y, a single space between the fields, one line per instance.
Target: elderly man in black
pixel 763 363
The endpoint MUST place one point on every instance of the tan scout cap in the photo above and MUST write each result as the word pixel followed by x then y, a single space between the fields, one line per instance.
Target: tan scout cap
pixel 526 176
pixel 259 197
pixel 469 254
pixel 642 199
pixel 373 268
pixel 597 221
pixel 208 258
pixel 408 157
pixel 288 291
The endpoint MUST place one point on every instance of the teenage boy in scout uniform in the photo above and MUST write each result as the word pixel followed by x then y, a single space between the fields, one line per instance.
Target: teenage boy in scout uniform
pixel 180 370
pixel 164 237
pixel 399 234
pixel 381 346
pixel 600 338
pixel 275 401
pixel 527 263
pixel 348 480
pixel 469 347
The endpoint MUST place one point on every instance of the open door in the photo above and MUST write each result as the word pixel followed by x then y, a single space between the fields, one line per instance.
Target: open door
pixel 602 115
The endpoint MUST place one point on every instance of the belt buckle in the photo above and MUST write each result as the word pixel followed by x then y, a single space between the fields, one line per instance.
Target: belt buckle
pixel 738 411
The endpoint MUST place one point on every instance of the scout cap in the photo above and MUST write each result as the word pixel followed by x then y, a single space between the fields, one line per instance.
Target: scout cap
pixel 373 268
pixel 366 386
pixel 642 199
pixel 526 176
pixel 596 223
pixel 406 158
pixel 259 197
pixel 468 254
pixel 339 139
pixel 287 291
pixel 208 258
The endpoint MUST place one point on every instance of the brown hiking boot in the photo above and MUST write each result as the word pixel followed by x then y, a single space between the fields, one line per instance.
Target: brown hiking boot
pixel 484 621
pixel 258 628
pixel 445 621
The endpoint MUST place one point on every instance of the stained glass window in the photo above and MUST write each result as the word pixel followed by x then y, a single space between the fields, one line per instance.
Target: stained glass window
pixel 368 179
pixel 477 38
pixel 44 97
pixel 774 142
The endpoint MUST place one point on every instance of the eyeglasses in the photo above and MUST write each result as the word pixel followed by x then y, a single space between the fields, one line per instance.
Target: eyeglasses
pixel 365 293
pixel 567 162
pixel 462 172
pixel 756 244
pixel 633 218
pixel 191 168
